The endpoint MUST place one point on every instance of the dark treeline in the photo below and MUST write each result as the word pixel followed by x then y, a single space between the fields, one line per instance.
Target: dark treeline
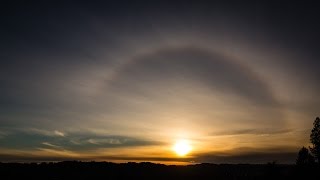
pixel 146 170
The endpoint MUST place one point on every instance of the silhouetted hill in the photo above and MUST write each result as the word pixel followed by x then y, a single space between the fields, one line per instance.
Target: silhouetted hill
pixel 146 170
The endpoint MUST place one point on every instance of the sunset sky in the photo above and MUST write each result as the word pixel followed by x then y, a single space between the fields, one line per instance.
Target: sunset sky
pixel 127 81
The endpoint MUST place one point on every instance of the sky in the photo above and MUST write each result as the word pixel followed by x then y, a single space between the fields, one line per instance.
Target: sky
pixel 126 80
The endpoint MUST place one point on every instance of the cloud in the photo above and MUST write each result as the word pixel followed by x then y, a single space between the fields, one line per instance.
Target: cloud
pixel 56 152
pixel 260 132
pixel 52 145
pixel 33 158
pixel 27 140
pixel 3 134
pixel 59 133
pixel 43 132
pixel 139 158
pixel 105 141
pixel 85 142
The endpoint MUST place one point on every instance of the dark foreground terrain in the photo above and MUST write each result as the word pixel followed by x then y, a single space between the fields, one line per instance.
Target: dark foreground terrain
pixel 105 170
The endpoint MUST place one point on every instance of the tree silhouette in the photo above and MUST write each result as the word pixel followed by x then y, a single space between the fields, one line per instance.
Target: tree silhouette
pixel 304 157
pixel 315 139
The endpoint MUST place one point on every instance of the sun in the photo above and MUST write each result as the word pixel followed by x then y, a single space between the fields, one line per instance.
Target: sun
pixel 182 147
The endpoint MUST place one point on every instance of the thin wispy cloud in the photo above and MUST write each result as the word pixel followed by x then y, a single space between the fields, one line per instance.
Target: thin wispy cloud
pixel 260 132
pixel 52 145
pixel 59 133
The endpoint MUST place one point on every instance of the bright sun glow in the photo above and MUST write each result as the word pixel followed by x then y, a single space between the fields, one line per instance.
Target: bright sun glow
pixel 182 147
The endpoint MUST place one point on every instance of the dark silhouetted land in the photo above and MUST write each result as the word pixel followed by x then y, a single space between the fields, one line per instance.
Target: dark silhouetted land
pixel 107 170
